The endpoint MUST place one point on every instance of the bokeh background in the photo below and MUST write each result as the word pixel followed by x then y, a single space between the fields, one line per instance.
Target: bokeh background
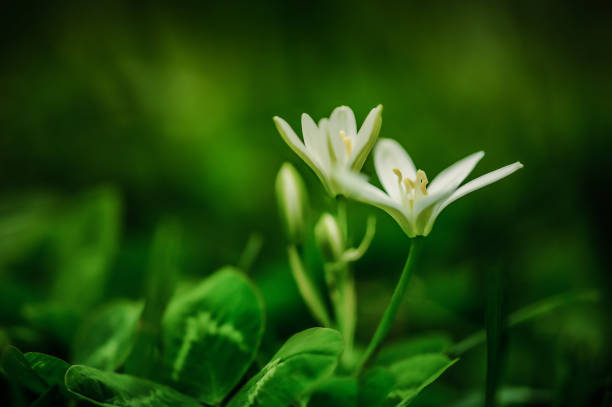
pixel 115 118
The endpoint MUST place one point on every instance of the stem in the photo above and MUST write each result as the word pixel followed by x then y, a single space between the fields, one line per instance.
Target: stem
pixel 307 289
pixel 342 219
pixel 341 287
pixel 387 320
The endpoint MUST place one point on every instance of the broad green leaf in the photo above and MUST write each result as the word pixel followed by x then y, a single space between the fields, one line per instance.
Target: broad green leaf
pixel 211 334
pixel 415 373
pixel 426 343
pixel 106 339
pixel 47 367
pixel 19 370
pixel 305 359
pixel 117 390
pixel 374 387
pixel 335 391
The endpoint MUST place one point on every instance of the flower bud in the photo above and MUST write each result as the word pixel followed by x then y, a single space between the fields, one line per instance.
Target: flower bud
pixel 292 202
pixel 329 238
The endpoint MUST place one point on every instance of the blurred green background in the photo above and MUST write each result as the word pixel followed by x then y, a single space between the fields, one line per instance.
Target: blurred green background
pixel 114 118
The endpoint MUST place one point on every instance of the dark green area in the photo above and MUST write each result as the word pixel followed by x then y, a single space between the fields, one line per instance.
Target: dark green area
pixel 138 155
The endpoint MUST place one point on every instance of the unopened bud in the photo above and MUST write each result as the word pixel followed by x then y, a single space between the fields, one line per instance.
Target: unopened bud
pixel 292 202
pixel 329 238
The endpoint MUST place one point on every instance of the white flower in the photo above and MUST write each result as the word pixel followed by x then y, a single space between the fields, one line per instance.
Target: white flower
pixel 335 144
pixel 408 199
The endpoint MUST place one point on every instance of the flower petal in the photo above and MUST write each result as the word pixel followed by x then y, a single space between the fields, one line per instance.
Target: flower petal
pixel 366 138
pixel 453 176
pixel 426 201
pixel 388 155
pixel 315 140
pixel 472 186
pixel 298 147
pixel 356 186
pixel 341 119
pixel 344 118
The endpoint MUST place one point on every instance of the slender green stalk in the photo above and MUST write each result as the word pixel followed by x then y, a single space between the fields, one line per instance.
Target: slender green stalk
pixel 307 289
pixel 341 286
pixel 387 320
pixel 342 219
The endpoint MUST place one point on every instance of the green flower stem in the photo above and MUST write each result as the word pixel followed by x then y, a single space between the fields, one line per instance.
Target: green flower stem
pixel 342 218
pixel 307 289
pixel 341 285
pixel 387 320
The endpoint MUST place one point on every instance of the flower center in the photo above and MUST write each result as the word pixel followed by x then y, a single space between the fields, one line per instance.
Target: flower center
pixel 347 142
pixel 412 189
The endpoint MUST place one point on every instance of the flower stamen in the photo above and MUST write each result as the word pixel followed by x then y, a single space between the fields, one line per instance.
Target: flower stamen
pixel 422 181
pixel 408 184
pixel 399 175
pixel 347 142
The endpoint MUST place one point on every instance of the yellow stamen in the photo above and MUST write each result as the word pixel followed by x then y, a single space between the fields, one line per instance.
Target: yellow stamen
pixel 408 184
pixel 399 175
pixel 347 142
pixel 422 181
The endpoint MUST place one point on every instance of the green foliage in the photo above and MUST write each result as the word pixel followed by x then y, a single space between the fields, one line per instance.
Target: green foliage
pixel 161 281
pixel 415 345
pixel 24 222
pixel 105 339
pixel 85 241
pixel 211 334
pixel 48 368
pixel 171 112
pixel 413 374
pixel 19 370
pixel 301 362
pixel 374 387
pixel 336 391
pixel 117 390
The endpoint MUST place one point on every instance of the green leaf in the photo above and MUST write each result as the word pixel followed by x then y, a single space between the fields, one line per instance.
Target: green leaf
pixel 20 372
pixel 374 387
pixel 145 357
pixel 117 390
pixel 47 367
pixel 163 269
pixel 416 345
pixel 306 358
pixel 335 391
pixel 415 373
pixel 211 334
pixel 86 239
pixel 106 339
